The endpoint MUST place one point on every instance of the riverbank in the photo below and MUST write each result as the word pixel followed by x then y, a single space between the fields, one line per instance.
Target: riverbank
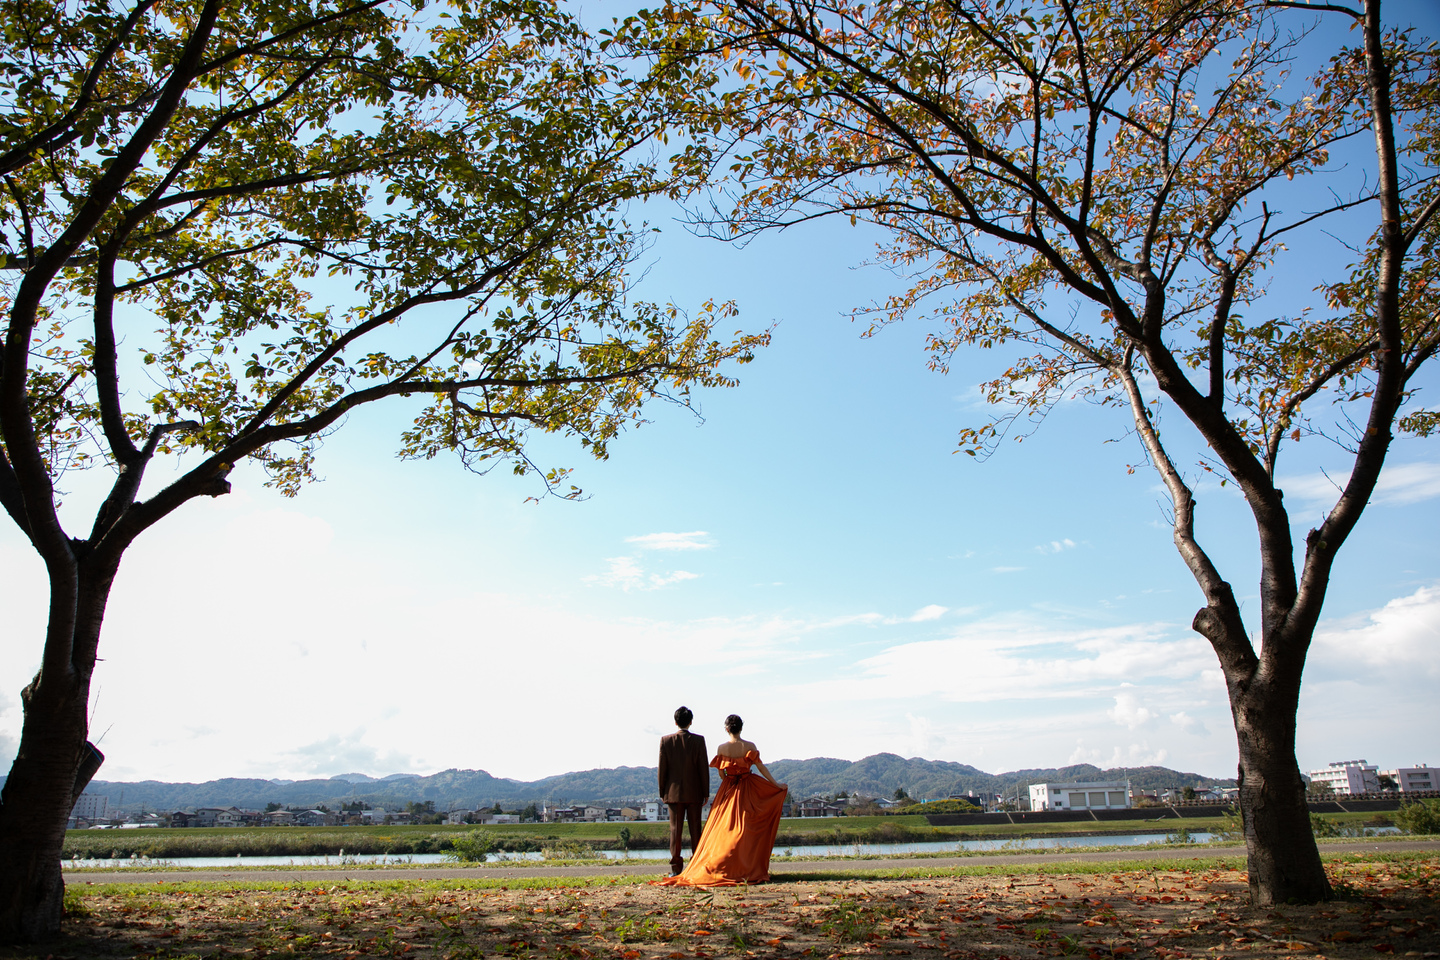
pixel 1219 851
pixel 1169 908
pixel 165 843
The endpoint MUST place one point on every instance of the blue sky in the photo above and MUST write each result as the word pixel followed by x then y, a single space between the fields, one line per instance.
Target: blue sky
pixel 810 553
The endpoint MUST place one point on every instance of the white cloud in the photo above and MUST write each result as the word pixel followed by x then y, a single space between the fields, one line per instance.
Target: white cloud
pixel 1189 724
pixel 1128 712
pixel 923 736
pixel 1016 659
pixel 694 540
pixel 1006 569
pixel 674 576
pixel 1131 755
pixel 846 620
pixel 346 753
pixel 930 612
pixel 925 614
pixel 1056 546
pixel 1138 755
pixel 1408 483
pixel 1386 660
pixel 1399 484
pixel 1400 640
pixel 627 574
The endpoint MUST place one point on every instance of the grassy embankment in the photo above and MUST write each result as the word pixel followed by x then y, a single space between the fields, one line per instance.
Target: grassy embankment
pixel 1049 867
pixel 526 837
pixel 1163 908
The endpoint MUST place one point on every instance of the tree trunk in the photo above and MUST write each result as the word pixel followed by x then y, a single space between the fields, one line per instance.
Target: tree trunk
pixel 1284 862
pixel 41 788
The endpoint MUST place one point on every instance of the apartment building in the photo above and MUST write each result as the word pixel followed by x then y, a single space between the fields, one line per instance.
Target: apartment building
pixel 1348 777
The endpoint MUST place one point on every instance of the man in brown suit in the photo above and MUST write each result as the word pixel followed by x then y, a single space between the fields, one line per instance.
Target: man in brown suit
pixel 684 782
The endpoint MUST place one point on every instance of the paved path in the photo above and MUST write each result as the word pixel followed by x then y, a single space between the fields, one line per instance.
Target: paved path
pixel 657 868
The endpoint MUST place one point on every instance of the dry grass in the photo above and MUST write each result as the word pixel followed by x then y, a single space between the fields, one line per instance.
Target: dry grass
pixel 1390 907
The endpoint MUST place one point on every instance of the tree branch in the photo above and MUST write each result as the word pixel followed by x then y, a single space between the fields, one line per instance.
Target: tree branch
pixel 1324 7
pixel 1219 621
pixel 107 372
pixel 11 496
pixel 1287 410
pixel 46 532
pixel 59 134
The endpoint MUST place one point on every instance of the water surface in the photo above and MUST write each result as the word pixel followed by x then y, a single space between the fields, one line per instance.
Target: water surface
pixel 840 850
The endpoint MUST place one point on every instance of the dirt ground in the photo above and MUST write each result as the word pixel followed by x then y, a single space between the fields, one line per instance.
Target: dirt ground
pixel 1387 908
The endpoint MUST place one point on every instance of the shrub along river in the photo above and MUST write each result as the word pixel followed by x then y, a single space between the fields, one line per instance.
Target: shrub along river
pixel 781 850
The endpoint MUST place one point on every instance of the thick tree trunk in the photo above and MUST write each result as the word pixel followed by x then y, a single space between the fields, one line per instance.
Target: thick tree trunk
pixel 1284 862
pixel 42 785
pixel 34 807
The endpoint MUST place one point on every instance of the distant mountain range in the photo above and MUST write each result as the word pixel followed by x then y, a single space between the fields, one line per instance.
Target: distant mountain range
pixel 876 776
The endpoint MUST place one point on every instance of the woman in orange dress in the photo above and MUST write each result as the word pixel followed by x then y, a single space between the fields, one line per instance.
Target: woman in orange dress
pixel 735 846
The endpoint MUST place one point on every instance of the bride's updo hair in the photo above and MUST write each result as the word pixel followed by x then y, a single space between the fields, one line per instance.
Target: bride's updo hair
pixel 733 725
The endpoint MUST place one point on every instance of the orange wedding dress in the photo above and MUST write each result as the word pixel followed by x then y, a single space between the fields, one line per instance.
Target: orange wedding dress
pixel 735 845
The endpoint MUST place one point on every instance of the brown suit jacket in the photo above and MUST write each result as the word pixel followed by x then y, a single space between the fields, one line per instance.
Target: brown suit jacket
pixel 684 768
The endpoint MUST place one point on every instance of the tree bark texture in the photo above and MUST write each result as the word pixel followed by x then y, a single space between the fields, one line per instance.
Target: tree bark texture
pixel 1283 860
pixel 42 784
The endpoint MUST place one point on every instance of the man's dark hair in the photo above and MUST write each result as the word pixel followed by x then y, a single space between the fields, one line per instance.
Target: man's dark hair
pixel 733 724
pixel 683 716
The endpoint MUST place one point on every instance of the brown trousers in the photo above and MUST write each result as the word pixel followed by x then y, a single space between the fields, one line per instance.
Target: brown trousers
pixel 679 813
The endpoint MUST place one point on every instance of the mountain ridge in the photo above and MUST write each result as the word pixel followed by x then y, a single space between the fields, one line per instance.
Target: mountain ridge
pixel 878 775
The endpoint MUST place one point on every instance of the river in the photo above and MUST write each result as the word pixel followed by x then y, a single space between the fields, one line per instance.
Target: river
pixel 843 850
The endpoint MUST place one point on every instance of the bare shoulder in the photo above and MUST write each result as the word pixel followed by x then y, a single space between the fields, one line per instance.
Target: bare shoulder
pixel 750 746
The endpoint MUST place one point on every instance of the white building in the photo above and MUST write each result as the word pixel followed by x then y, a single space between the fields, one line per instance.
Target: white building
pixel 91 806
pixel 1348 777
pixel 1096 795
pixel 655 810
pixel 1414 779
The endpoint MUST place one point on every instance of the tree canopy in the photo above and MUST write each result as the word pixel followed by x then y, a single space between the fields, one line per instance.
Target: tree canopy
pixel 227 224
pixel 284 212
pixel 1106 191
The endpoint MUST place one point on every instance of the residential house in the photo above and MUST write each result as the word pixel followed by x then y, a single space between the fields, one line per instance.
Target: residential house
pixel 208 816
pixel 593 814
pixel 228 818
pixel 314 818
pixel 629 813
pixel 654 810
pixel 1088 795
pixel 554 814
pixel 819 807
pixel 279 818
